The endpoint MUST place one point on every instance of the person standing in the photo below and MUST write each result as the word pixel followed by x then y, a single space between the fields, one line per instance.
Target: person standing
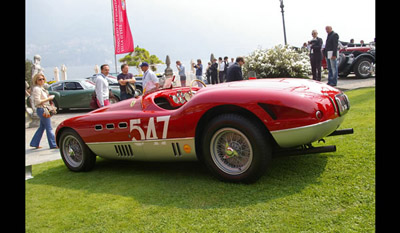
pixel 182 74
pixel 315 55
pixel 235 71
pixel 101 89
pixel 331 54
pixel 126 82
pixel 221 69
pixel 199 69
pixel 41 99
pixel 214 72
pixel 150 80
pixel 208 73
pixel 226 66
pixel 231 62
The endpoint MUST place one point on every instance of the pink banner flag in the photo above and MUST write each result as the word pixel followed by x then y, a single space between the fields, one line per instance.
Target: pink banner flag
pixel 122 32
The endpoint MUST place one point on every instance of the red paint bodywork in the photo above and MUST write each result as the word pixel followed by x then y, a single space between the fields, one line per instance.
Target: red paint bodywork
pixel 293 103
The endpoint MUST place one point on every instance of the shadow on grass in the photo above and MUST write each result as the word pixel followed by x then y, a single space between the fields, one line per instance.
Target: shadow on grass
pixel 185 184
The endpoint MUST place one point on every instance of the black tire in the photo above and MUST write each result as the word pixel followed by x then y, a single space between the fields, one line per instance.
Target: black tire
pixel 342 62
pixel 236 149
pixel 75 153
pixel 56 105
pixel 113 99
pixel 362 67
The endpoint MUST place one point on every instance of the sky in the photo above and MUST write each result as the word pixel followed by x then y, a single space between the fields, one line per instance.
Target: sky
pixel 78 33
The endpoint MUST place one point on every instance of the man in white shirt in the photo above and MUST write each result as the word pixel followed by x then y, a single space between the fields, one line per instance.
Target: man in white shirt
pixel 150 80
pixel 221 69
pixel 231 62
pixel 102 91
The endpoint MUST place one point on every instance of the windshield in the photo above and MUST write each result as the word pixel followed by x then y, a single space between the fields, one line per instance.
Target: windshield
pixel 87 84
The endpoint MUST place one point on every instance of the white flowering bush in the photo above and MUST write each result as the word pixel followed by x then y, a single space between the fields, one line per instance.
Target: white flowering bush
pixel 280 61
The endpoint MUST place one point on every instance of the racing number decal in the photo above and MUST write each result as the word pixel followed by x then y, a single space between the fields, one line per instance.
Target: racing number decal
pixel 151 128
pixel 134 123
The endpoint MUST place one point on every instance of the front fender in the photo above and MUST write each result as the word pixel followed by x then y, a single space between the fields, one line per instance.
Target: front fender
pixel 56 95
pixel 116 93
pixel 364 55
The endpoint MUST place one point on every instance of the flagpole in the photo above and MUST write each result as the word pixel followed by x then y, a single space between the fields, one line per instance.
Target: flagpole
pixel 112 15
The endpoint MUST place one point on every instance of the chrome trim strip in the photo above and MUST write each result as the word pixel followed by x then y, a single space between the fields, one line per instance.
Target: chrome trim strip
pixel 305 134
pixel 151 140
pixel 176 149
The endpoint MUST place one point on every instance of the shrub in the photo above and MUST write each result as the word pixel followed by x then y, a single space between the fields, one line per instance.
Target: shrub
pixel 280 61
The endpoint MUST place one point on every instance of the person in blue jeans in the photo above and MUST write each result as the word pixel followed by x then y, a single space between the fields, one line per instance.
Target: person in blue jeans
pixel 331 54
pixel 41 98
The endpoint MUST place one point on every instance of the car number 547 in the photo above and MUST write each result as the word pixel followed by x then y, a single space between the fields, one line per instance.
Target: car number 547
pixel 151 133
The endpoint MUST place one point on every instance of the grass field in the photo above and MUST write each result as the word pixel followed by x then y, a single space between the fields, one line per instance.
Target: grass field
pixel 331 192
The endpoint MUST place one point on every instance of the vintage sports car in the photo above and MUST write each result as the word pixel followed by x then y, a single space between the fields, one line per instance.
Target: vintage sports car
pixel 234 128
pixel 76 94
pixel 357 60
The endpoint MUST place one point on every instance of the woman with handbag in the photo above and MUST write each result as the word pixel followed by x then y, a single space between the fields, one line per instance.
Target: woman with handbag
pixel 44 110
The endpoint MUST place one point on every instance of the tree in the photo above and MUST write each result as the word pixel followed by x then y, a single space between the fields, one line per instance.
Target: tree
pixel 141 55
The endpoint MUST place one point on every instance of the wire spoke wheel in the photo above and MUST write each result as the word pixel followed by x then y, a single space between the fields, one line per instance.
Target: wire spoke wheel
pixel 231 151
pixel 72 151
pixel 364 68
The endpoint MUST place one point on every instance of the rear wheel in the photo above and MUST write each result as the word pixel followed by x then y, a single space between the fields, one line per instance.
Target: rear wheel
pixel 363 67
pixel 75 153
pixel 236 149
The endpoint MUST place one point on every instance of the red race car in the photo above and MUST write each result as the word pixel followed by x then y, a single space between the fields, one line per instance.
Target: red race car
pixel 234 128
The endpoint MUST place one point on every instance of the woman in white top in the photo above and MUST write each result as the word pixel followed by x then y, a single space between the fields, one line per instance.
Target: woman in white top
pixel 40 99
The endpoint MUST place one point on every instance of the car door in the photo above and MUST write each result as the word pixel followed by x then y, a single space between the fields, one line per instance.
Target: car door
pixel 75 96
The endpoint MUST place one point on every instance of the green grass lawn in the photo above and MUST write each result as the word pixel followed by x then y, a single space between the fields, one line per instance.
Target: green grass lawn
pixel 329 192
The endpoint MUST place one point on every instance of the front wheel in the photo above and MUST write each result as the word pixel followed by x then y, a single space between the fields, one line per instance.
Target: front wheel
pixel 75 153
pixel 236 149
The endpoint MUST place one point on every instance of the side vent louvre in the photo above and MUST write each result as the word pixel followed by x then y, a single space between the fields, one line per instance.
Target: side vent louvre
pixel 123 150
pixel 176 149
pixel 268 110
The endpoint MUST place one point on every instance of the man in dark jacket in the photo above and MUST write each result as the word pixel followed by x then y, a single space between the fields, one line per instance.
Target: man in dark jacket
pixel 214 72
pixel 315 55
pixel 331 54
pixel 234 72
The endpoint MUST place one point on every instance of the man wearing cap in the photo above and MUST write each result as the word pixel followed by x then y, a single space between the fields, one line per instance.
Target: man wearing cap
pixel 150 80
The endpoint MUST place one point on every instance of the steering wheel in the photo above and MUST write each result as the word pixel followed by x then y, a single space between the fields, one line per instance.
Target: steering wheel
pixel 190 93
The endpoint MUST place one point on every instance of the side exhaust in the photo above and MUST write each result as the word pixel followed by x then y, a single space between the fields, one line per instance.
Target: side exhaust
pixel 309 149
pixel 341 132
pixel 305 150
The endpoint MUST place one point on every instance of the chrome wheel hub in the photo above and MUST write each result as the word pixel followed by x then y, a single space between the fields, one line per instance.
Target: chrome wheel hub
pixel 231 151
pixel 72 151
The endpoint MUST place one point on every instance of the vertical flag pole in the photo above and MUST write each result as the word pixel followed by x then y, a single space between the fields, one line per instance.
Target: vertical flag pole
pixel 112 15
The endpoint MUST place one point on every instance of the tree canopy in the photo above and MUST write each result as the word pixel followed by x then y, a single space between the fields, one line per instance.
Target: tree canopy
pixel 141 55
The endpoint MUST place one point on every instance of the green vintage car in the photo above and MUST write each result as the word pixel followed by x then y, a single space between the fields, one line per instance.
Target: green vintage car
pixel 76 94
